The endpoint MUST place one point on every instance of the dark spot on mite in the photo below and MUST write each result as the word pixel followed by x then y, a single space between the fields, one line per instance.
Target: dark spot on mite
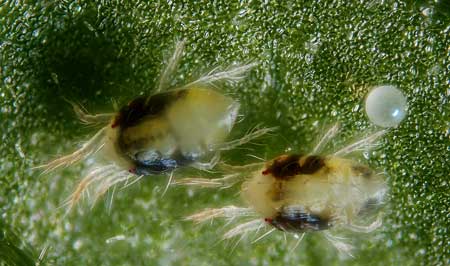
pixel 160 135
pixel 297 221
pixel 144 106
pixel 127 144
pixel 138 143
pixel 362 170
pixel 286 167
pixel 371 205
pixel 277 191
pixel 312 164
pixel 161 164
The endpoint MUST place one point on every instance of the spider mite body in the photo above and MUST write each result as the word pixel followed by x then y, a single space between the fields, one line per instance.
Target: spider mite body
pixel 159 133
pixel 172 129
pixel 301 193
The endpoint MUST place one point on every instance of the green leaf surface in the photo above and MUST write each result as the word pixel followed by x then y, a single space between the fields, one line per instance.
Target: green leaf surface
pixel 316 62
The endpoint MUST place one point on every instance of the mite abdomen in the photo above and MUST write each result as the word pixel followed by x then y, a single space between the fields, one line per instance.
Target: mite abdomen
pixel 202 118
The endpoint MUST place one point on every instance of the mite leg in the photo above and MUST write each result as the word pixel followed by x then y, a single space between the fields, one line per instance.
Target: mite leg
pixel 195 181
pixel 365 142
pixel 84 184
pixel 326 138
pixel 299 240
pixel 207 165
pixel 229 212
pixel 90 147
pixel 89 119
pixel 169 182
pixel 245 228
pixel 203 182
pixel 364 228
pixel 237 174
pixel 122 177
pixel 233 74
pixel 101 179
pixel 171 67
pixel 253 134
pixel 240 168
pixel 341 246
pixel 224 182
pixel 265 234
pixel 110 181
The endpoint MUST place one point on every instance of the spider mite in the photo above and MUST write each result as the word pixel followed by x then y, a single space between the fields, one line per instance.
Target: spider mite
pixel 301 193
pixel 160 133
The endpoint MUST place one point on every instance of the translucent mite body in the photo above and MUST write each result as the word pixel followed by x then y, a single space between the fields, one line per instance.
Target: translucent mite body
pixel 300 193
pixel 185 126
pixel 171 129
pixel 297 193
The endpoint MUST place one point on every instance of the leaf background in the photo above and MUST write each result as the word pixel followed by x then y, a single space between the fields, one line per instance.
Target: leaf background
pixel 316 62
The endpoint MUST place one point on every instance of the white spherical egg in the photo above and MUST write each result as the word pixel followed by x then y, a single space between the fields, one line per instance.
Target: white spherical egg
pixel 386 106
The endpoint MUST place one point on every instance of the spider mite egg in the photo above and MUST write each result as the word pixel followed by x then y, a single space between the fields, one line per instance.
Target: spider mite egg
pixel 386 106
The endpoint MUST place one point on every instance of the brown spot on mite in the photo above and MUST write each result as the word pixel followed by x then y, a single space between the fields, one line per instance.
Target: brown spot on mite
pixel 288 166
pixel 277 191
pixel 312 164
pixel 144 106
pixel 362 170
pixel 284 166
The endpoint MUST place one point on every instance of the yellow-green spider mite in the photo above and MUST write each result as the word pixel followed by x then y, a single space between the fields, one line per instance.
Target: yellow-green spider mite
pixel 185 126
pixel 301 193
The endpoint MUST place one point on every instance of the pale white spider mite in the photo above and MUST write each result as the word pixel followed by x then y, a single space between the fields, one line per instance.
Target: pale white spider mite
pixel 301 193
pixel 171 128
